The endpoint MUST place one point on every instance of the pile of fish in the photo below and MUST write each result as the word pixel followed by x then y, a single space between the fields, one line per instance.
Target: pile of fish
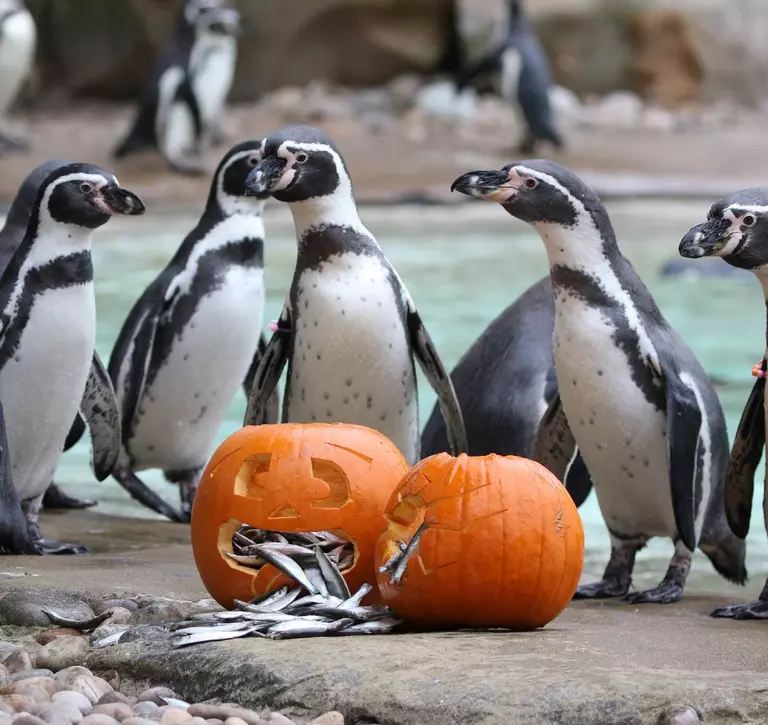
pixel 320 605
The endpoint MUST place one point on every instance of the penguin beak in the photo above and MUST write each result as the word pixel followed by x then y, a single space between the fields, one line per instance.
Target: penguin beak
pixel 265 177
pixel 490 185
pixel 112 199
pixel 705 240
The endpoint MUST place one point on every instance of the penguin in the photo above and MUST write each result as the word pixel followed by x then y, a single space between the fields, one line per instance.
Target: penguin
pixel 504 384
pixel 11 235
pixel 48 369
pixel 349 330
pixel 192 337
pixel 736 230
pixel 18 38
pixel 631 395
pixel 526 79
pixel 180 111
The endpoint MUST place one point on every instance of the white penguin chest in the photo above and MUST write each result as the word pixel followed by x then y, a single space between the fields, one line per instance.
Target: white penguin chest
pixel 352 359
pixel 180 411
pixel 621 436
pixel 213 76
pixel 17 48
pixel 42 385
pixel 511 67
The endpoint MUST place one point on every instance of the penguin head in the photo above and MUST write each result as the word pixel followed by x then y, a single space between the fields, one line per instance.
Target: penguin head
pixel 535 191
pixel 84 195
pixel 299 163
pixel 736 229
pixel 11 6
pixel 209 18
pixel 226 196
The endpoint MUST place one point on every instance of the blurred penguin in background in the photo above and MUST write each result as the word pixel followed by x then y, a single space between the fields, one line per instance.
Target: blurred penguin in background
pixel 18 37
pixel 180 112
pixel 525 79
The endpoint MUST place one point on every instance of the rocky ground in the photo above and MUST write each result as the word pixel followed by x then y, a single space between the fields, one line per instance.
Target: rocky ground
pixel 407 141
pixel 595 664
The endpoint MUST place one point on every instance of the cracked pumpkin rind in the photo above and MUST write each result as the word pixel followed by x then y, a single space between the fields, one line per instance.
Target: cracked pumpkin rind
pixel 292 477
pixel 503 546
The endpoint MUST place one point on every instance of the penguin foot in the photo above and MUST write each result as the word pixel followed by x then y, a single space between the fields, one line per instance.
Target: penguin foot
pixel 59 548
pixel 140 492
pixel 753 610
pixel 55 498
pixel 665 593
pixel 604 589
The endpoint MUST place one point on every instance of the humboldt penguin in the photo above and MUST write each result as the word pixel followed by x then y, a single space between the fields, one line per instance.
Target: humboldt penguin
pixel 48 368
pixel 180 112
pixel 632 396
pixel 349 330
pixel 18 38
pixel 191 339
pixel 736 230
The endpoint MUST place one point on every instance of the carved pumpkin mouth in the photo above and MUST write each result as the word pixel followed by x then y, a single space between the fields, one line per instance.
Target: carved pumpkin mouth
pixel 250 549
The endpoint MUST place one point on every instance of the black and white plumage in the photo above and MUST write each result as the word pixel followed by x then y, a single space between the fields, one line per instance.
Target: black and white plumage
pixel 736 230
pixel 526 79
pixel 18 38
pixel 349 330
pixel 48 367
pixel 504 382
pixel 180 112
pixel 632 396
pixel 11 236
pixel 192 338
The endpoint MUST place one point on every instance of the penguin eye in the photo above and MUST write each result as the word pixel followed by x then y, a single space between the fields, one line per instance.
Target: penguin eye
pixel 301 158
pixel 748 220
pixel 531 183
pixel 252 160
pixel 86 188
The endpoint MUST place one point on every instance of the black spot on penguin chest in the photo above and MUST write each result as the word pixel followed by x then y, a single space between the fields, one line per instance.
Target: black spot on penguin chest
pixel 61 273
pixel 178 312
pixel 588 289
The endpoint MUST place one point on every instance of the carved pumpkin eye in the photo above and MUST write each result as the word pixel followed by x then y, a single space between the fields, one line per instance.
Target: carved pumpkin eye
pixel 292 479
pixel 459 511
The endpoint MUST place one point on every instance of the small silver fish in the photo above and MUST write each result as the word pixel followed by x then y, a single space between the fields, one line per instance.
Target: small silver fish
pixel 290 567
pixel 312 570
pixel 379 626
pixel 285 600
pixel 407 553
pixel 211 636
pixel 287 549
pixel 173 702
pixel 110 640
pixel 357 597
pixel 336 585
pixel 228 627
pixel 304 628
pixel 255 562
pixel 277 537
pixel 84 624
pixel 266 599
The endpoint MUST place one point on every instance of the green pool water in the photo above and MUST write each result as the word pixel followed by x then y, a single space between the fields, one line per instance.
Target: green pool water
pixel 462 267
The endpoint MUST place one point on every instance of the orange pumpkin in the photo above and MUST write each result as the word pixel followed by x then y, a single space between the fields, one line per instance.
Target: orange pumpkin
pixel 501 544
pixel 294 478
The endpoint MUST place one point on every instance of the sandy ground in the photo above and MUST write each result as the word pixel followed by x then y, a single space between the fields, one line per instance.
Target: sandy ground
pixel 411 161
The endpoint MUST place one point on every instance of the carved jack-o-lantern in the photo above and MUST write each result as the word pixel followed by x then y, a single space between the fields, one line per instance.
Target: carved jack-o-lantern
pixel 293 478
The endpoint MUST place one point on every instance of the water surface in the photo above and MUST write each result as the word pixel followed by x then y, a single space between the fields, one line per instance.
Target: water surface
pixel 462 266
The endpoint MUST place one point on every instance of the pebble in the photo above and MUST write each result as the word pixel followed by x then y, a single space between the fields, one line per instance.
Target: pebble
pixel 118 710
pixel 105 630
pixel 205 605
pixel 27 719
pixel 55 714
pixel 27 674
pixel 113 697
pixel 128 604
pixel 19 703
pixel 62 652
pixel 44 682
pixel 98 719
pixel 143 632
pixel 18 661
pixel 138 721
pixel 77 699
pixel 146 708
pixel 157 613
pixel 216 721
pixel 69 674
pixel 6 709
pixel 334 717
pixel 48 635
pixel 154 694
pixel 92 687
pixel 112 678
pixel 3 672
pixel 275 718
pixel 36 692
pixel 224 712
pixel 235 721
pixel 174 716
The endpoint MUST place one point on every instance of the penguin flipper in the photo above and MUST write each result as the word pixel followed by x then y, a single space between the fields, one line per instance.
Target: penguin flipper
pixel 438 378
pixel 684 418
pixel 99 408
pixel 555 448
pixel 487 64
pixel 75 432
pixel 15 537
pixel 745 456
pixel 271 412
pixel 268 373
